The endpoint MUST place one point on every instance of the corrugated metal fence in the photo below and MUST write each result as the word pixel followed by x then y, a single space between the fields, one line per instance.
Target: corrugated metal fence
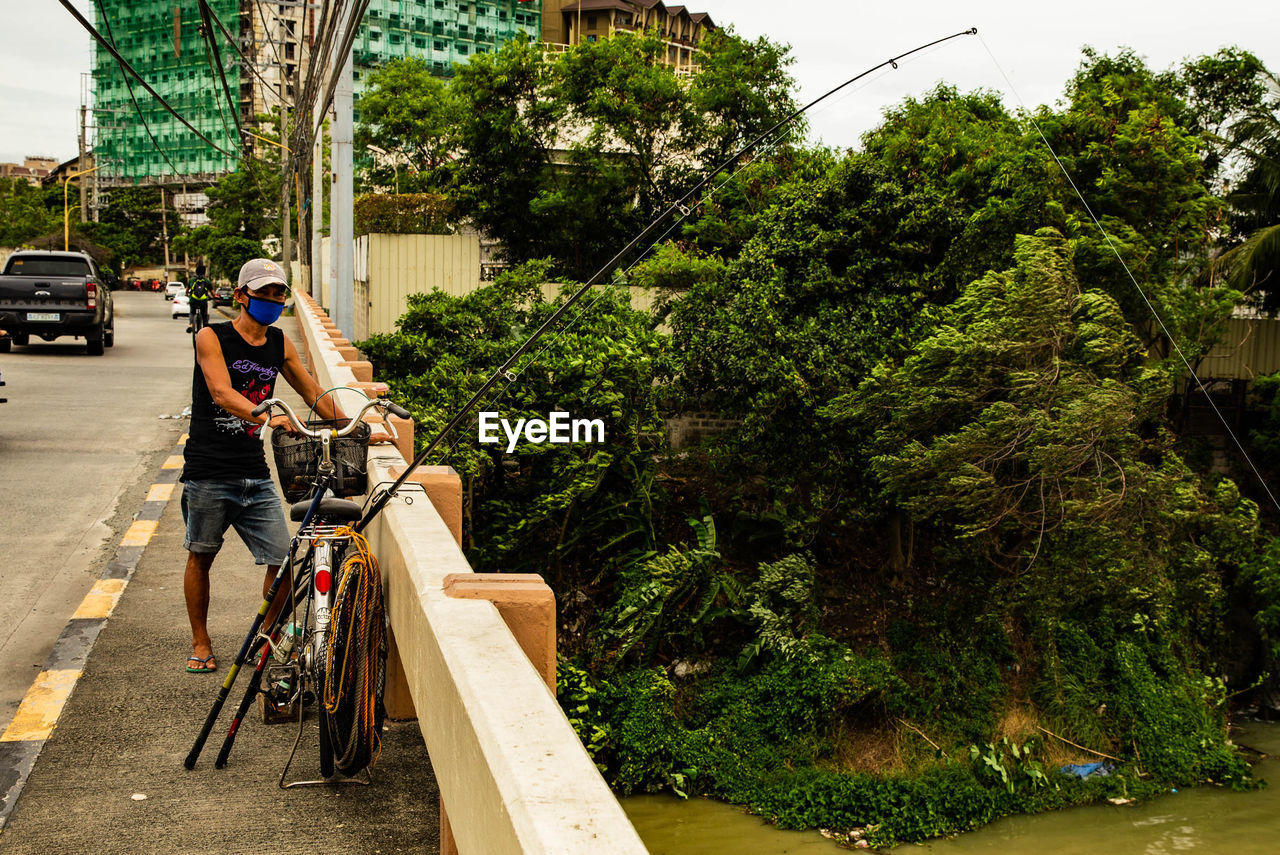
pixel 388 268
pixel 1250 346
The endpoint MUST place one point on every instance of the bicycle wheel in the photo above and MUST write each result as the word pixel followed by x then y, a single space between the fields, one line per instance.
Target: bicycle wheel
pixel 326 733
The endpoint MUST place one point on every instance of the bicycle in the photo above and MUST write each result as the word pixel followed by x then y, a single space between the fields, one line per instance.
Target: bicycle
pixel 327 642
pixel 198 317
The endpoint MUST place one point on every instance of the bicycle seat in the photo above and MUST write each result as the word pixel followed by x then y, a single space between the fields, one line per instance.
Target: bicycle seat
pixel 330 507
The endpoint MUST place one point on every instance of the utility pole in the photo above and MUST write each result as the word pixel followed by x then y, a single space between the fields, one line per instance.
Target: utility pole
pixel 286 159
pixel 341 225
pixel 84 197
pixel 186 257
pixel 164 230
pixel 285 194
pixel 318 273
pixel 84 120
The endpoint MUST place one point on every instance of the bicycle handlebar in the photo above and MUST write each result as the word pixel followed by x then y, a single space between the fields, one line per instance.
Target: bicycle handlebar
pixel 381 403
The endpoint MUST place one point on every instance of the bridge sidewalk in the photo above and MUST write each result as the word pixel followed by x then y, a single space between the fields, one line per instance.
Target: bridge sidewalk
pixel 110 777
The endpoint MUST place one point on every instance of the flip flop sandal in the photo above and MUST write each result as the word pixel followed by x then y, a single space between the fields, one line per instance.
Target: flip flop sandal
pixel 207 669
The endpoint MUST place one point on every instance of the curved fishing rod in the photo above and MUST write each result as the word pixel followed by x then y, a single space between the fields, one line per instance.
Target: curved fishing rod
pixel 380 500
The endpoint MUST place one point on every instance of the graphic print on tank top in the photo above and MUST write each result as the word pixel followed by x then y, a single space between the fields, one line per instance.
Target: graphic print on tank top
pixel 258 383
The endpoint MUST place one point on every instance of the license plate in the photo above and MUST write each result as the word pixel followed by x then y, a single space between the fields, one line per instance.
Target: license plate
pixel 43 316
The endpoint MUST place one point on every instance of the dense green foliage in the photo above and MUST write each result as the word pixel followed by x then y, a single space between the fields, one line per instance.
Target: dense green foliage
pixel 1253 263
pixel 953 540
pixel 564 156
pixel 25 212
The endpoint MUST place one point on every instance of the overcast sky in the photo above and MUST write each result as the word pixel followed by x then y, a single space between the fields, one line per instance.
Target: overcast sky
pixel 43 52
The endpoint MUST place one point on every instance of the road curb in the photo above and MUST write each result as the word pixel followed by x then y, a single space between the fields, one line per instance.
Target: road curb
pixel 42 705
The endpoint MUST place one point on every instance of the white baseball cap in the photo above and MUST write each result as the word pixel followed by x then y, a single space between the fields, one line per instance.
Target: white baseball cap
pixel 258 273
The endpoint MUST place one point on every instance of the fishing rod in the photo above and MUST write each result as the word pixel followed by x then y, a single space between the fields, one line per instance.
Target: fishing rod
pixel 384 496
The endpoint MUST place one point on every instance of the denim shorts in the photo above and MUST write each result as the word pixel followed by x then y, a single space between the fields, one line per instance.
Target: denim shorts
pixel 251 505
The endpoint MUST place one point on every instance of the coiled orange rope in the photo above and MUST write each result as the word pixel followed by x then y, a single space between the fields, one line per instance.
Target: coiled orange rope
pixel 355 660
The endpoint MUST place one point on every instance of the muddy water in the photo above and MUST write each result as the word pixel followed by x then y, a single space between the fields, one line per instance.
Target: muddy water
pixel 1206 820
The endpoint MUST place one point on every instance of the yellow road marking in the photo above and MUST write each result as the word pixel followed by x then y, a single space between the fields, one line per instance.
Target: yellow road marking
pixel 101 599
pixel 38 713
pixel 139 534
pixel 160 492
pixel 174 461
pixel 183 438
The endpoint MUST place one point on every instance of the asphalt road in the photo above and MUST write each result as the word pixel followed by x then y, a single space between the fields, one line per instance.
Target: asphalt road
pixel 80 438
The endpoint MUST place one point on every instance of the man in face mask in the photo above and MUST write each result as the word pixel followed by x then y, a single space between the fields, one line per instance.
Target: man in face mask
pixel 226 479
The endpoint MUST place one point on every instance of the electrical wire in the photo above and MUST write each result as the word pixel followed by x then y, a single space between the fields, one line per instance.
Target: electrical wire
pixel 214 59
pixel 124 64
pixel 341 58
pixel 245 62
pixel 1133 279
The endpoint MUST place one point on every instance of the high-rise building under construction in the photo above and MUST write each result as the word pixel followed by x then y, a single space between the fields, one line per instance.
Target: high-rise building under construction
pixel 137 141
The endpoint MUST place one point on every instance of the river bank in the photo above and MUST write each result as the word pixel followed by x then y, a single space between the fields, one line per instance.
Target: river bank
pixel 1209 820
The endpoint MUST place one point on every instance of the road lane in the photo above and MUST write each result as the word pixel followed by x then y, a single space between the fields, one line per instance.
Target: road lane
pixel 80 439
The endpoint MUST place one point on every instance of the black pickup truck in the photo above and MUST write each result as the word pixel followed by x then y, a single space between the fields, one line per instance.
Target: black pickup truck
pixel 53 294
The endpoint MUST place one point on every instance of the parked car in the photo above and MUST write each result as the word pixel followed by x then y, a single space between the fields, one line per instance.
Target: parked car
pixel 53 294
pixel 181 306
pixel 173 288
pixel 222 295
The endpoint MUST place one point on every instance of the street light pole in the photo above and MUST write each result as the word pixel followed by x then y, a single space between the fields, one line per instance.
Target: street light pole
pixel 66 211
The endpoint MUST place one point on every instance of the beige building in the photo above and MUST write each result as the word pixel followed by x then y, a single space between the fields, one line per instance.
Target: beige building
pixel 32 169
pixel 571 22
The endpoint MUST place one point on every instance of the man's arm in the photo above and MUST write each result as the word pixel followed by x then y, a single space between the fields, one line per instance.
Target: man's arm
pixel 306 386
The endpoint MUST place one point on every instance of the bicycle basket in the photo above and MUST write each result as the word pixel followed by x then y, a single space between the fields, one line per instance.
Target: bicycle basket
pixel 298 458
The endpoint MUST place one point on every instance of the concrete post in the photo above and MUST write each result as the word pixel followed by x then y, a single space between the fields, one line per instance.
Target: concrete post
pixel 341 217
pixel 317 214
pixel 527 606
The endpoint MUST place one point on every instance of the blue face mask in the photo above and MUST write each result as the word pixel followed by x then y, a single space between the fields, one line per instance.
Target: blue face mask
pixel 264 312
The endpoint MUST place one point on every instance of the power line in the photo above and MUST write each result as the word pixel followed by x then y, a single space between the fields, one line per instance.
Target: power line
pixel 245 62
pixel 124 64
pixel 214 57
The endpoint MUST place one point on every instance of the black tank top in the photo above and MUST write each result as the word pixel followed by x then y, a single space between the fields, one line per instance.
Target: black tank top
pixel 221 445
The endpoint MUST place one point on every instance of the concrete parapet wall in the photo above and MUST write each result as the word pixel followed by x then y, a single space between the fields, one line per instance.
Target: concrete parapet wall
pixel 512 774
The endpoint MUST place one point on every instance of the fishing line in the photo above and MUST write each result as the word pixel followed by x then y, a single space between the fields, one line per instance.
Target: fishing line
pixel 1141 293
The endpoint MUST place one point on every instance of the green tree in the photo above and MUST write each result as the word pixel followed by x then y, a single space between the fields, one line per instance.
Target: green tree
pixel 246 202
pixel 1130 143
pixel 566 157
pixel 565 510
pixel 133 225
pixel 506 133
pixel 23 213
pixel 412 116
pixel 1253 264
pixel 228 253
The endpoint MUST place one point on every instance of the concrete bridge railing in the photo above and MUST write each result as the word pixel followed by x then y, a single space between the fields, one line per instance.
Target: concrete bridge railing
pixel 474 655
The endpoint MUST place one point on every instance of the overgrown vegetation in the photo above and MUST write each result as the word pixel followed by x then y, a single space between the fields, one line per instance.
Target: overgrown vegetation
pixel 955 540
